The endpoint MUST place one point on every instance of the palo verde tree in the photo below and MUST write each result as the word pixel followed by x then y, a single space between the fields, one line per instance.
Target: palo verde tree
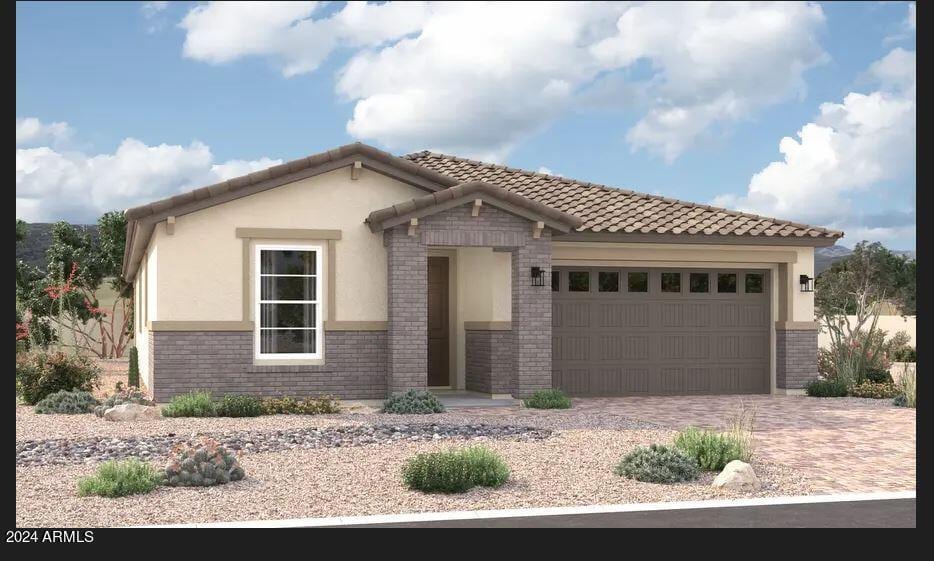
pixel 65 296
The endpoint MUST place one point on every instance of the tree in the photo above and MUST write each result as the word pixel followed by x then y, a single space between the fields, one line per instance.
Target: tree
pixel 66 296
pixel 847 301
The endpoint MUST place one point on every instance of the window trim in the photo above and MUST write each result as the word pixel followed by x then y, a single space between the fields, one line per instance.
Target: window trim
pixel 257 287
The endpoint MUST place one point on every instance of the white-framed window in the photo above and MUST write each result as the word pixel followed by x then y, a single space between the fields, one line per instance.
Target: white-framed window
pixel 287 300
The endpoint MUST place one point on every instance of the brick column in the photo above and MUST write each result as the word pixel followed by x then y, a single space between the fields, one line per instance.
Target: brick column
pixel 531 316
pixel 795 357
pixel 407 364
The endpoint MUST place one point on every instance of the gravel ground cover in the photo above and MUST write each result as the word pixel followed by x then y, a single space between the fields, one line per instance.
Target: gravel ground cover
pixel 72 451
pixel 574 467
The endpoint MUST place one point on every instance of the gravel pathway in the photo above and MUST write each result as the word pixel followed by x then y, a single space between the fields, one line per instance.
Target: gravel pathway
pixel 573 467
pixel 69 451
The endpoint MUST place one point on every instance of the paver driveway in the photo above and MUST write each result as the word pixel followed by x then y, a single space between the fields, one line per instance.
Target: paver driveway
pixel 841 444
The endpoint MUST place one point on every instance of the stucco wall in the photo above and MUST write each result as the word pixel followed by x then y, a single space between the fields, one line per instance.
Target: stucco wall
pixel 144 306
pixel 200 265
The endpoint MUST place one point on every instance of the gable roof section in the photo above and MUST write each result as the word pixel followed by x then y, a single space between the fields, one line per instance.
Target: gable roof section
pixel 609 210
pixel 468 192
pixel 141 220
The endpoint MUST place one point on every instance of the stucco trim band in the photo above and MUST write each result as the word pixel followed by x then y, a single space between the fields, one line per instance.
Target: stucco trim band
pixel 288 234
pixel 356 325
pixel 488 325
pixel 796 326
pixel 201 325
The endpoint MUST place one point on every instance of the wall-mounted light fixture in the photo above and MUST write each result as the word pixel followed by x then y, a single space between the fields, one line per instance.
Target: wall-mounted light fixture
pixel 807 283
pixel 538 276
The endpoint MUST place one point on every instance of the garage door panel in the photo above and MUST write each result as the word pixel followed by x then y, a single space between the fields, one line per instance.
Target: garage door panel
pixel 653 343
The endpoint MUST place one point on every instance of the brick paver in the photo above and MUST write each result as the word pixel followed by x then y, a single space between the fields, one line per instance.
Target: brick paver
pixel 841 445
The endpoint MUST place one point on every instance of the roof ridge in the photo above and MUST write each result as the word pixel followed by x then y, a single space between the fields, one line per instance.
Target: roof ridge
pixel 603 186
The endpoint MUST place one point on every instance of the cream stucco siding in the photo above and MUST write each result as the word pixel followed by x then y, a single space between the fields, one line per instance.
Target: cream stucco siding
pixel 144 308
pixel 201 263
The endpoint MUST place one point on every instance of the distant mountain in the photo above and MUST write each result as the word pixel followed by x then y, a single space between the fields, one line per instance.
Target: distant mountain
pixel 824 257
pixel 39 237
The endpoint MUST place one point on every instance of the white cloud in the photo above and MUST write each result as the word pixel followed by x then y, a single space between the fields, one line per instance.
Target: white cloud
pixel 478 78
pixel 911 21
pixel 31 131
pixel 851 146
pixel 220 32
pixel 151 9
pixel 64 185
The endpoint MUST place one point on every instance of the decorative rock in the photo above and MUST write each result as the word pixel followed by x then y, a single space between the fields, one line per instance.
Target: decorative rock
pixel 131 412
pixel 737 476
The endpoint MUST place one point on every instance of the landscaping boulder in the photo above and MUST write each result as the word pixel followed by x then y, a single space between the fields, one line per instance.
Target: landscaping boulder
pixel 737 476
pixel 131 412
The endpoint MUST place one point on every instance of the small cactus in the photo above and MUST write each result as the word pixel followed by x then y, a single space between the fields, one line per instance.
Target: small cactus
pixel 202 465
pixel 133 375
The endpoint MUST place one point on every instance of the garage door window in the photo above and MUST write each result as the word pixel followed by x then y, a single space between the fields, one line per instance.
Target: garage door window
pixel 608 281
pixel 638 282
pixel 671 282
pixel 700 282
pixel 726 282
pixel 754 283
pixel 555 281
pixel 579 281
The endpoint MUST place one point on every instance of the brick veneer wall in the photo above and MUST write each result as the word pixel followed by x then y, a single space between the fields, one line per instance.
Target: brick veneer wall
pixel 490 356
pixel 795 358
pixel 407 258
pixel 222 362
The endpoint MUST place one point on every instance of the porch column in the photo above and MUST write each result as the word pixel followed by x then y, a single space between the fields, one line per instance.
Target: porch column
pixel 795 340
pixel 531 316
pixel 407 291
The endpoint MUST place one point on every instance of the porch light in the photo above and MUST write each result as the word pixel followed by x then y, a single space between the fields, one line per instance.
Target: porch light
pixel 538 276
pixel 807 283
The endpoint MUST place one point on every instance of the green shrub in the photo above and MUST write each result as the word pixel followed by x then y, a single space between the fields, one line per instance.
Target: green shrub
pixel 66 403
pixel 874 391
pixel 455 471
pixel 900 400
pixel 126 395
pixel 712 451
pixel 413 402
pixel 133 374
pixel 826 388
pixel 657 464
pixel 202 465
pixel 42 374
pixel 240 406
pixel 192 404
pixel 121 478
pixel 548 399
pixel 878 376
pixel 304 406
pixel 905 354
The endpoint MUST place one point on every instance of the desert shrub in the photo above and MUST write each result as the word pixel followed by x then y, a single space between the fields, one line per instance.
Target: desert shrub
pixel 905 354
pixel 864 355
pixel 658 464
pixel 873 390
pixel 907 388
pixel 548 399
pixel 413 402
pixel 240 406
pixel 712 451
pixel 121 478
pixel 133 374
pixel 832 387
pixel 192 404
pixel 67 403
pixel 202 464
pixel 302 406
pixel 42 374
pixel 125 395
pixel 455 471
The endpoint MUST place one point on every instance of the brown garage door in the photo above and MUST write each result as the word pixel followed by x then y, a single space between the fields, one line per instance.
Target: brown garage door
pixel 652 331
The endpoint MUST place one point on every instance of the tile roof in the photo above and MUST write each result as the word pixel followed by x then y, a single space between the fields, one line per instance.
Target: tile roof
pixel 608 209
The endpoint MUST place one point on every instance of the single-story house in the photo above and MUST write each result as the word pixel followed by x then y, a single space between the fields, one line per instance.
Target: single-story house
pixel 358 273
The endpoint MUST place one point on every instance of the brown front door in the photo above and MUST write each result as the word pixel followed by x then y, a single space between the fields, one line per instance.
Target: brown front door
pixel 438 332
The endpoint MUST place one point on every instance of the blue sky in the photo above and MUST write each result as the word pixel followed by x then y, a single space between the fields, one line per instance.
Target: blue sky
pixel 694 109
